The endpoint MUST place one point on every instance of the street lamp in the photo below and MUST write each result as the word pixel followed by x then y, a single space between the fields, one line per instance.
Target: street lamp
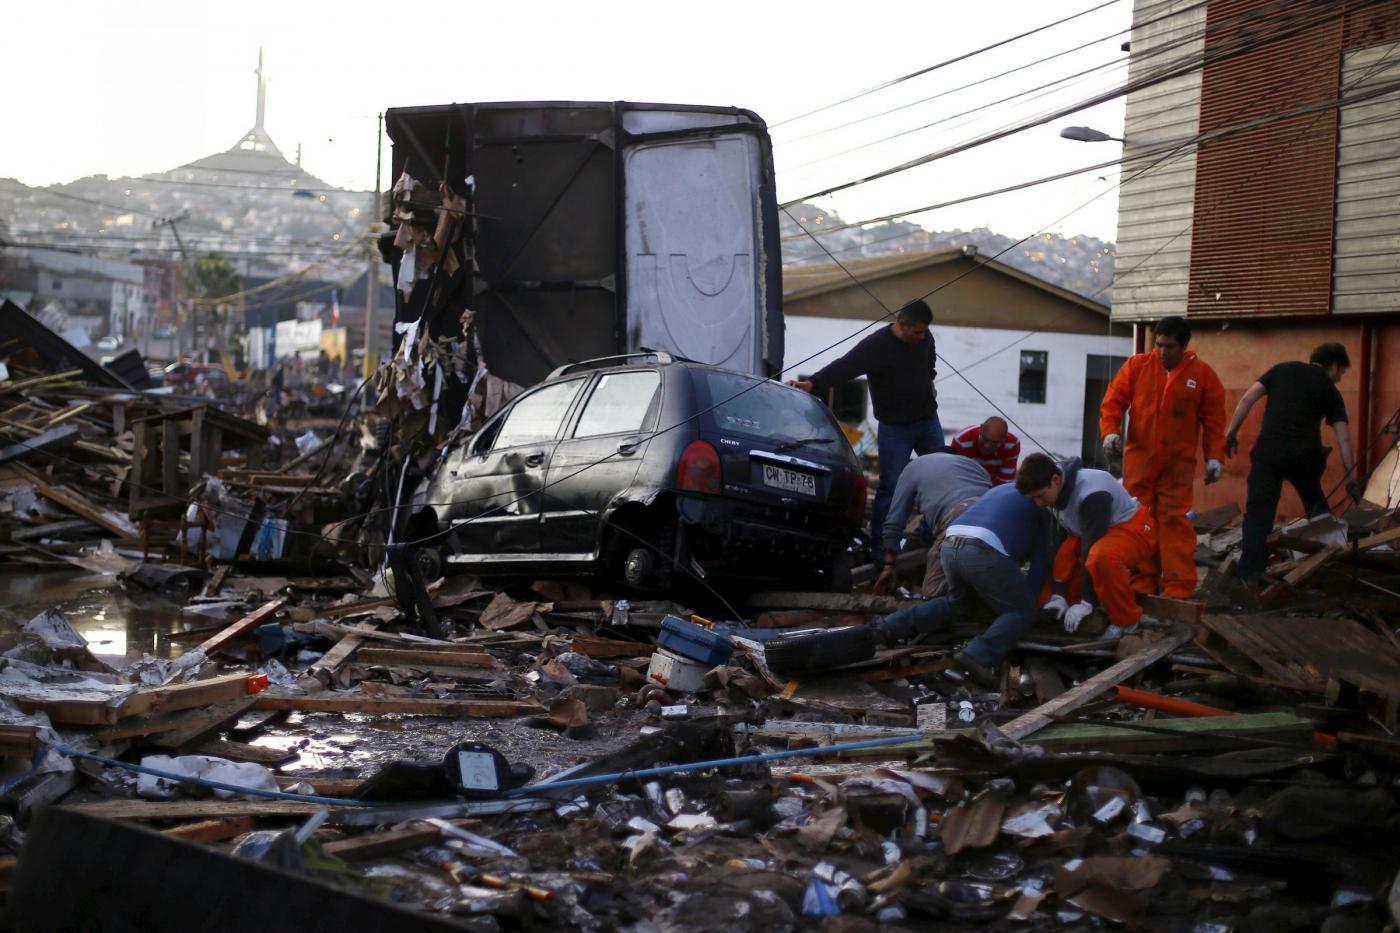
pixel 1087 134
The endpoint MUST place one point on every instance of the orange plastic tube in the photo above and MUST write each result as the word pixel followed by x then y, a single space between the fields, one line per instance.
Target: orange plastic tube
pixel 1167 704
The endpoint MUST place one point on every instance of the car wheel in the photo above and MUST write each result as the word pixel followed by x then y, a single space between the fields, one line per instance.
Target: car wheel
pixel 638 567
pixel 812 651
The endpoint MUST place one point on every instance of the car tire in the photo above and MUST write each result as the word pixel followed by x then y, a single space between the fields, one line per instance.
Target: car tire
pixel 791 654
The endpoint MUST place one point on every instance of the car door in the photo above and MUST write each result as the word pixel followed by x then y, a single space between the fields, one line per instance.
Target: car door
pixel 598 458
pixel 497 485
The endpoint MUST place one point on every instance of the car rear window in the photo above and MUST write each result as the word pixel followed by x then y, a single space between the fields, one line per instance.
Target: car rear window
pixel 737 404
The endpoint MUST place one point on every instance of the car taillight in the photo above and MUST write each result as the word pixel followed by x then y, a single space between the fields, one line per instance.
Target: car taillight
pixel 855 509
pixel 699 468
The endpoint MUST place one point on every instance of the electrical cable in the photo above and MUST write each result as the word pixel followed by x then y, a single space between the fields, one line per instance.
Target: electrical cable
pixel 943 64
pixel 1132 85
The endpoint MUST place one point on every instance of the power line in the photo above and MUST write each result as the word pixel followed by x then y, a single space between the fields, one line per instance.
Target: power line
pixel 1331 12
pixel 943 64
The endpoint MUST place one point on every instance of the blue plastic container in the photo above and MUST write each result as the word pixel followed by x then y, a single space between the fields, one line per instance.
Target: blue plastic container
pixel 694 641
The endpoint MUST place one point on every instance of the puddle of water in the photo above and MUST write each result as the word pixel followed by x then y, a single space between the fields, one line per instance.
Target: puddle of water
pixel 114 621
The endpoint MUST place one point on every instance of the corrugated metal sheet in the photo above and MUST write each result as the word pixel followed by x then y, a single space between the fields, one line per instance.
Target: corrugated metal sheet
pixel 1366 244
pixel 1155 210
pixel 1262 242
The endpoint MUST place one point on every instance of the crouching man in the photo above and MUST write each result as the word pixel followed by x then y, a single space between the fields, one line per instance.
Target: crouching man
pixel 1107 559
pixel 983 551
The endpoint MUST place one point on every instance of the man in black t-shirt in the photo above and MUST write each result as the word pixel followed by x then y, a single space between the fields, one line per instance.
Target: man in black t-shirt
pixel 1301 396
pixel 899 363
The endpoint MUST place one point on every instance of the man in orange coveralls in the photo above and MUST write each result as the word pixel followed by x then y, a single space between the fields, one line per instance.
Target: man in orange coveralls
pixel 1173 401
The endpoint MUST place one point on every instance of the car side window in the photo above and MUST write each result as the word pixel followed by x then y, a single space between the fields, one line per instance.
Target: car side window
pixel 620 403
pixel 536 417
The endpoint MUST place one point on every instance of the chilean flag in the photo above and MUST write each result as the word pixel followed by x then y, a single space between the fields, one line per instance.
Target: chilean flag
pixel 335 307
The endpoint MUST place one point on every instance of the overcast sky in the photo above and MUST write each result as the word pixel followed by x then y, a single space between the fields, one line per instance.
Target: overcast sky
pixel 138 87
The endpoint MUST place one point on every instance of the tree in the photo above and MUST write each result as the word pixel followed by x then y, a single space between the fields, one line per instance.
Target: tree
pixel 212 277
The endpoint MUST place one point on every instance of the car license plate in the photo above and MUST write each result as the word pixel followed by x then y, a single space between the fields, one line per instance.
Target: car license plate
pixel 789 480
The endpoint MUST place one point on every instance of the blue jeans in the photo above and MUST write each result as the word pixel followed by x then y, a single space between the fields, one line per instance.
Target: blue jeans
pixel 896 444
pixel 977 575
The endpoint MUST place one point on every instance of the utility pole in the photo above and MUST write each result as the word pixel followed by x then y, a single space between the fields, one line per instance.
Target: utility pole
pixel 372 274
pixel 179 274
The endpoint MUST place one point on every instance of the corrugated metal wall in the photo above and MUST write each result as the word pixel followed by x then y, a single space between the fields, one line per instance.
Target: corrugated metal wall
pixel 1264 195
pixel 1366 259
pixel 1155 209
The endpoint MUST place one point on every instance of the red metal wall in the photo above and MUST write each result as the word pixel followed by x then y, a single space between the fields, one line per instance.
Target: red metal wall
pixel 1241 352
pixel 1262 242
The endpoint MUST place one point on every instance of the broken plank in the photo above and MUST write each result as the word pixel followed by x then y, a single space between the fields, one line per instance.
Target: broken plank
pixel 328 667
pixel 84 508
pixel 1301 572
pixel 411 656
pixel 242 751
pixel 184 696
pixel 194 809
pixel 252 620
pixel 1047 713
pixel 374 845
pixel 1379 538
pixel 216 582
pixel 177 729
pixel 1172 610
pixel 53 529
pixel 207 831
pixel 610 647
pixel 53 439
pixel 18 741
pixel 418 706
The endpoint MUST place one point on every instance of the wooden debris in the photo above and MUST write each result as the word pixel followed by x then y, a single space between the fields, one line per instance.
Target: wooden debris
pixel 1047 713
pixel 374 845
pixel 831 602
pixel 327 669
pixel 207 831
pixel 1301 653
pixel 610 647
pixel 1185 611
pixel 417 706
pixel 1301 572
pixel 135 809
pixel 252 620
pixel 413 657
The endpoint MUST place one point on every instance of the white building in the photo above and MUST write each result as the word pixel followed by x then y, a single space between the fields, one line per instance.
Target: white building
pixel 1010 344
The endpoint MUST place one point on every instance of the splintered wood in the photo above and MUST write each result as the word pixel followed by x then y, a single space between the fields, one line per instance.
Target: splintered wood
pixel 1303 654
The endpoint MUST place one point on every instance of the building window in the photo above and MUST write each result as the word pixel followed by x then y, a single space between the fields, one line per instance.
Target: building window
pixel 57 284
pixel 1034 364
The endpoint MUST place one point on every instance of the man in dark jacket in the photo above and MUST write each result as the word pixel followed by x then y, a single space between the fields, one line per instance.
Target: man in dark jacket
pixel 899 363
pixel 1301 396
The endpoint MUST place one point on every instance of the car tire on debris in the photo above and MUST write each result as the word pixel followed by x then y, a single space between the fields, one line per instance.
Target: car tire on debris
pixel 812 651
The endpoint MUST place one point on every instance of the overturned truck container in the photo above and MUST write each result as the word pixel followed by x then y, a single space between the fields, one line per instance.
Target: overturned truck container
pixel 553 232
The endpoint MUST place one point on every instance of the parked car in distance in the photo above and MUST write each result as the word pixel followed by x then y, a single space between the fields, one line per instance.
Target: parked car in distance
pixel 648 469
pixel 109 344
pixel 185 373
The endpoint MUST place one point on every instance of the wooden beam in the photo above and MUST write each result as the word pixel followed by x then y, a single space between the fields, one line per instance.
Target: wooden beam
pixel 184 696
pixel 374 845
pixel 207 831
pixel 1045 714
pixel 610 647
pixel 327 668
pixel 81 506
pixel 53 439
pixel 420 706
pixel 252 620
pixel 1379 538
pixel 175 730
pixel 1304 570
pixel 412 657
pixel 133 809
pixel 1187 611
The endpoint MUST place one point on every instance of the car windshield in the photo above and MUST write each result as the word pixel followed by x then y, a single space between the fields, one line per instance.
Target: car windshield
pixel 737 404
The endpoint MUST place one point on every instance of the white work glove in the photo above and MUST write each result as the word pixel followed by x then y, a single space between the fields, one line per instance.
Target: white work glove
pixel 1058 605
pixel 1113 445
pixel 1213 470
pixel 1077 614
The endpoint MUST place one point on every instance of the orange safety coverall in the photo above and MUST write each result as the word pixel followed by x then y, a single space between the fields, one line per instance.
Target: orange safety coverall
pixel 1169 413
pixel 1115 561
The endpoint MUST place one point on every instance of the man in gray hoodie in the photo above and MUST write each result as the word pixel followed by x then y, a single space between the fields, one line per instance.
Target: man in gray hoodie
pixel 1107 558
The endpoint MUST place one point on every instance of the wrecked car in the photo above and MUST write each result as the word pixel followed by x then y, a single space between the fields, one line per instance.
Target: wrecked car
pixel 647 468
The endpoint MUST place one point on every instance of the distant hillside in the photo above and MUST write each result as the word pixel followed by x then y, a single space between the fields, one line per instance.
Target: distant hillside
pixel 1081 264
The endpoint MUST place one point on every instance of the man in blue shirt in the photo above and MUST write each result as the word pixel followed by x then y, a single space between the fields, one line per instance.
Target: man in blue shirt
pixel 982 557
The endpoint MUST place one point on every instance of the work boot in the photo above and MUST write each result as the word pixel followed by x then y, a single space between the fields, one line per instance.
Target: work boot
pixel 980 673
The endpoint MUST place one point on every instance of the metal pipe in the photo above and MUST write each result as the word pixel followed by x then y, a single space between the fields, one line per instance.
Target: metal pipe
pixel 617 776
